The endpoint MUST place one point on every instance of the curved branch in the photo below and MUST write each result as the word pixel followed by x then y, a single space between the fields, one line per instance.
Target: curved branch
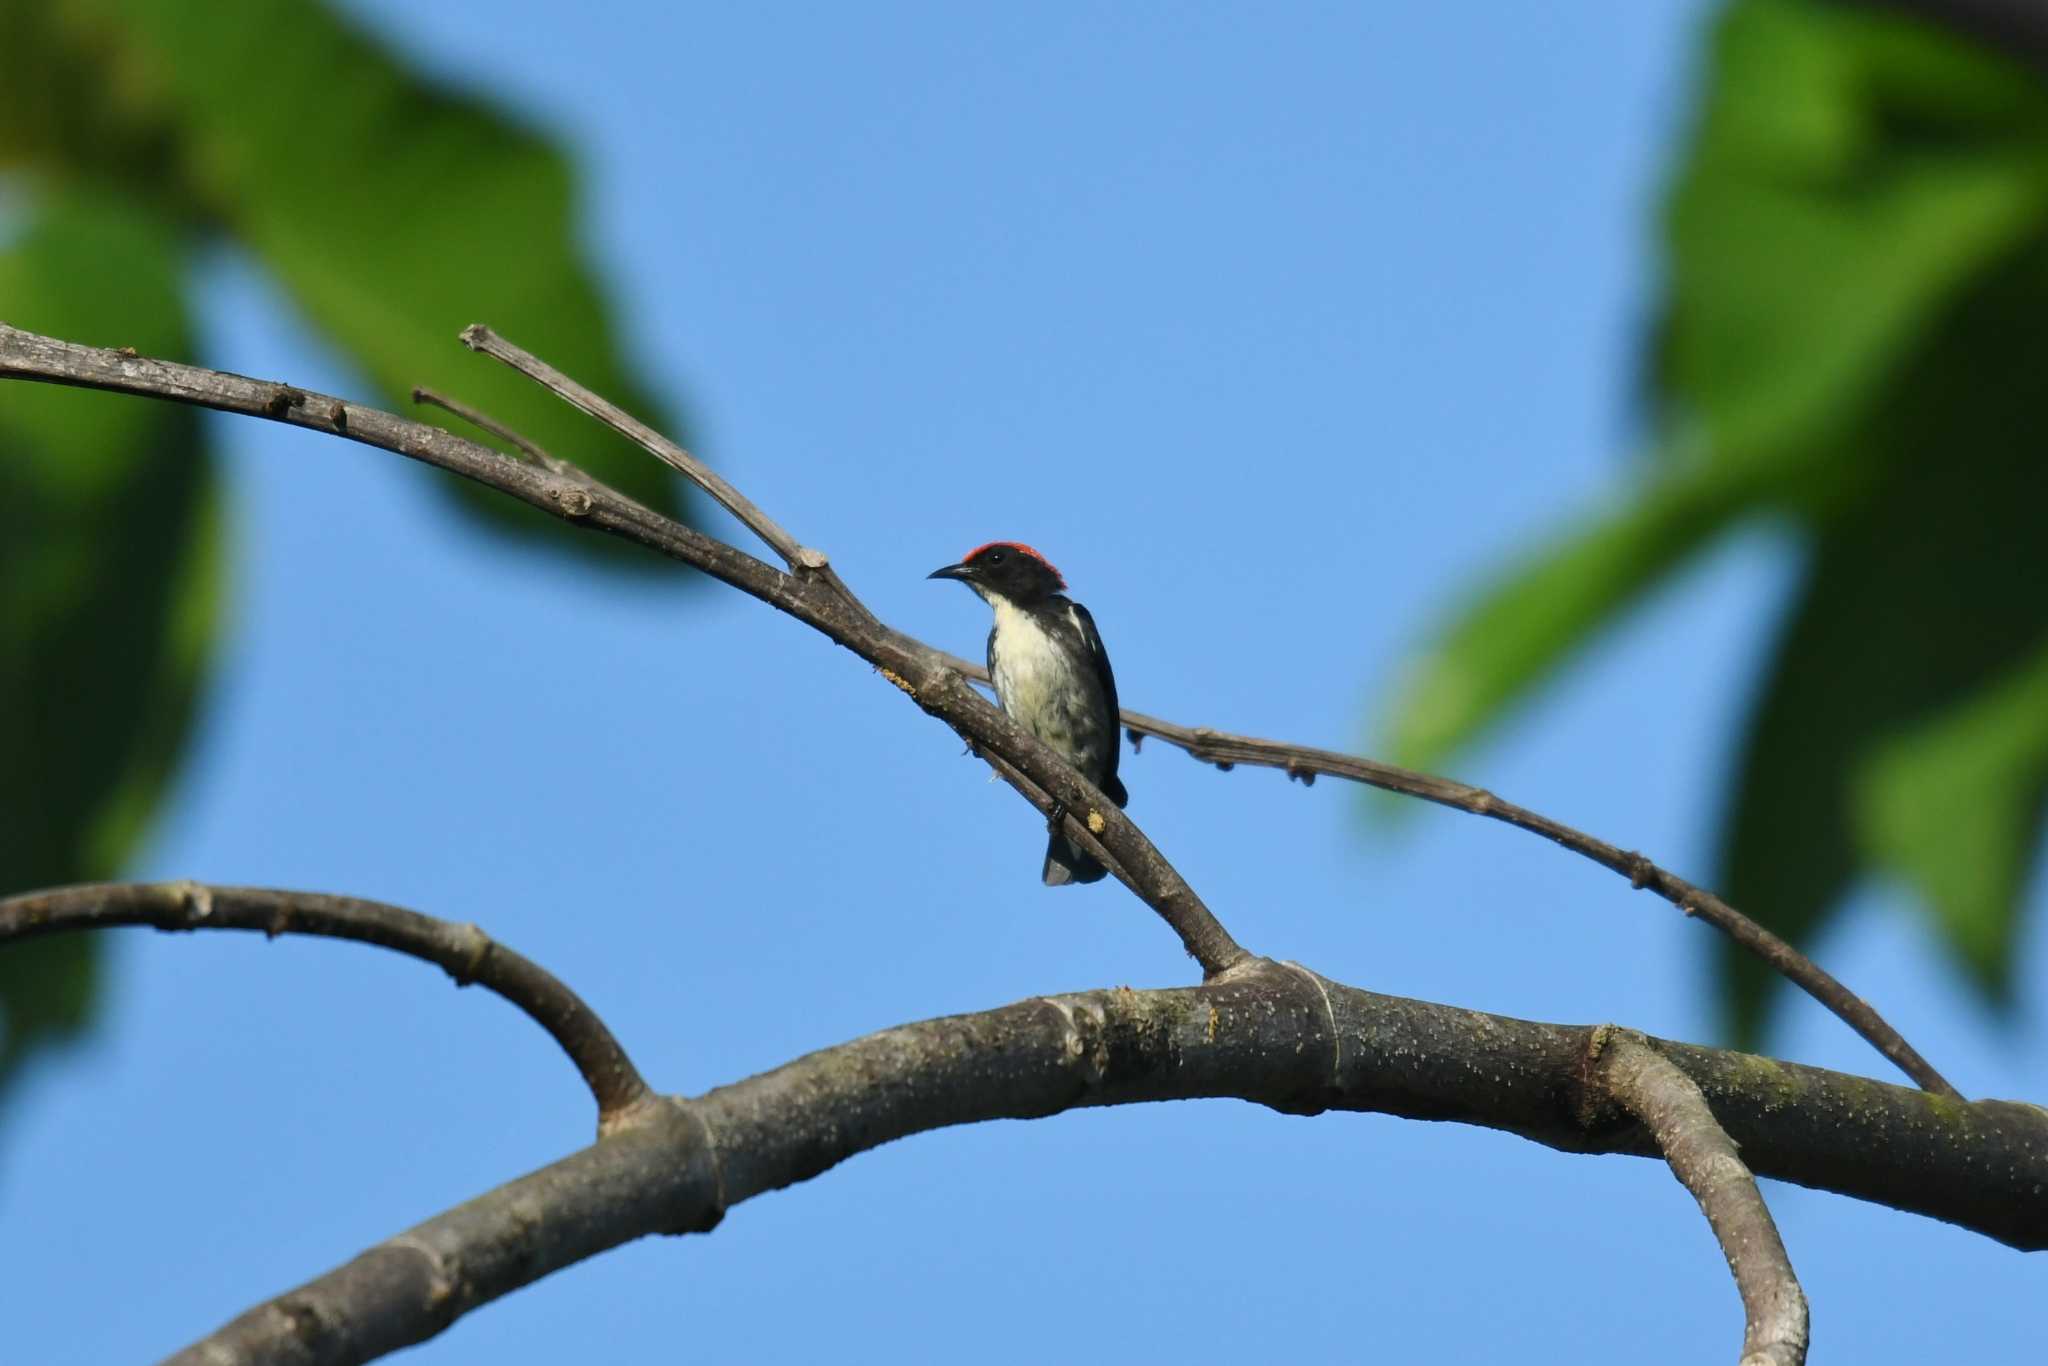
pixel 465 952
pixel 1305 763
pixel 1265 1032
pixel 1703 1157
pixel 1301 761
pixel 812 593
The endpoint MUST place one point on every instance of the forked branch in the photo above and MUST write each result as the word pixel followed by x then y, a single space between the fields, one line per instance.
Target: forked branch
pixel 477 337
pixel 811 592
pixel 1702 1156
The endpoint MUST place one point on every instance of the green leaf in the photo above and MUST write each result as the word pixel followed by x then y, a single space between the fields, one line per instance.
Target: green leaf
pixel 1955 807
pixel 1850 178
pixel 1857 274
pixel 394 213
pixel 67 105
pixel 1851 173
pixel 108 554
pixel 1919 595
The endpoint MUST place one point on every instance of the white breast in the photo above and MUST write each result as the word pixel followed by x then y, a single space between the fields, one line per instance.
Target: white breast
pixel 1034 678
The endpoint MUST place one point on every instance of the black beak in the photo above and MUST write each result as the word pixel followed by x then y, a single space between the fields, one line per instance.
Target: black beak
pixel 952 571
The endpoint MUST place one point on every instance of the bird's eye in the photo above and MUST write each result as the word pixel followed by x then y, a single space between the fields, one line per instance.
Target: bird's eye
pixel 996 556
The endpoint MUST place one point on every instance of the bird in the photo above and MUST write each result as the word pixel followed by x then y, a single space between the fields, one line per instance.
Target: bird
pixel 1051 674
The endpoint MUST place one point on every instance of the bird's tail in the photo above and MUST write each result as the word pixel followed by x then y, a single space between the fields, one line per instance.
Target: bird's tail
pixel 1067 862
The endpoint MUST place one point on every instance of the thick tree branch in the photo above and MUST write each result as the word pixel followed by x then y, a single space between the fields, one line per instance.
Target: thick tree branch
pixel 1266 1032
pixel 465 952
pixel 1702 1156
pixel 811 594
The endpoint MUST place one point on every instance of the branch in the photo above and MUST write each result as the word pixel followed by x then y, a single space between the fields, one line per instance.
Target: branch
pixel 1703 1157
pixel 816 596
pixel 465 952
pixel 930 677
pixel 811 594
pixel 477 337
pixel 531 449
pixel 1305 763
pixel 1270 1033
pixel 1299 762
pixel 1209 943
pixel 1970 1163
pixel 814 563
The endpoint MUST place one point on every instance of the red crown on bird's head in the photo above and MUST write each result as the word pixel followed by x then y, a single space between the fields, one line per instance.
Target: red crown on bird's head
pixel 1022 549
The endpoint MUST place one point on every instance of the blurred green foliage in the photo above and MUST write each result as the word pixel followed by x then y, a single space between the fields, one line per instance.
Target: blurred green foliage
pixel 108 523
pixel 1854 331
pixel 392 214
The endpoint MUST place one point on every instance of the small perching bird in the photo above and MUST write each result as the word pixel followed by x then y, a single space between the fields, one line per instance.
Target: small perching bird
pixel 1051 674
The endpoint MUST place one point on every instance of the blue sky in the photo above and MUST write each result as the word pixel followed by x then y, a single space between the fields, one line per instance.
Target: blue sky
pixel 1277 329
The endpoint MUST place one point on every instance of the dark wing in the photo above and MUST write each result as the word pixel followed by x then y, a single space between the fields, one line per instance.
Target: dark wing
pixel 1111 787
pixel 991 656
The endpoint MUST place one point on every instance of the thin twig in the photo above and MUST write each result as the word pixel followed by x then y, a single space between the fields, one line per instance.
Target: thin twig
pixel 814 597
pixel 1305 764
pixel 480 338
pixel 465 952
pixel 1702 1156
pixel 802 559
pixel 483 421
